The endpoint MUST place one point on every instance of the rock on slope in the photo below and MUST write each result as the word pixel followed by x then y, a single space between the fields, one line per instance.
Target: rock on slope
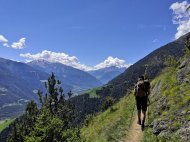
pixel 170 103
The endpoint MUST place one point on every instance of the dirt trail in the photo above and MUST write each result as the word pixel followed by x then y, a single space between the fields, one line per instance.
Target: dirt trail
pixel 135 133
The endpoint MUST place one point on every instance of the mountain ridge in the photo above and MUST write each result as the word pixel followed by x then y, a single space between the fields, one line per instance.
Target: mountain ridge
pixel 78 79
pixel 107 74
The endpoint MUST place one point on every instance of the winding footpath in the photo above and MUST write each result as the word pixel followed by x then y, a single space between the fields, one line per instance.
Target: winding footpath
pixel 135 133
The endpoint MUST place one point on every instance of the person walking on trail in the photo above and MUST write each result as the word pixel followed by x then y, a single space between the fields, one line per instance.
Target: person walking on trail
pixel 141 92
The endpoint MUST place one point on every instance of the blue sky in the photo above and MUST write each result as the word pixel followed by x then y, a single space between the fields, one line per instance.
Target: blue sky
pixel 90 30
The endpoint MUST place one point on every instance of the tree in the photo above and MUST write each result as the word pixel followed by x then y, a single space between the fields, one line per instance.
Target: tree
pixel 70 94
pixel 108 102
pixel 39 93
pixel 47 128
pixel 50 123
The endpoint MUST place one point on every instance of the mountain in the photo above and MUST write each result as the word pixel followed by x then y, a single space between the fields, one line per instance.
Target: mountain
pixel 153 64
pixel 78 79
pixel 168 113
pixel 107 74
pixel 108 114
pixel 17 84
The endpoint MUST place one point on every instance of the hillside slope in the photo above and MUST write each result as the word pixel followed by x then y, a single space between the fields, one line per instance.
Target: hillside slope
pixel 170 103
pixel 168 116
pixel 153 64
pixel 17 83
pixel 111 125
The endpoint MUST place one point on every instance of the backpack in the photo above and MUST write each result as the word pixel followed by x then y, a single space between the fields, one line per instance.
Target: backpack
pixel 140 89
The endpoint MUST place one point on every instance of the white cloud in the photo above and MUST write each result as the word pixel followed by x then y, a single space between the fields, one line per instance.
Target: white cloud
pixel 19 44
pixel 6 45
pixel 16 45
pixel 181 17
pixel 73 61
pixel 110 61
pixel 57 57
pixel 3 39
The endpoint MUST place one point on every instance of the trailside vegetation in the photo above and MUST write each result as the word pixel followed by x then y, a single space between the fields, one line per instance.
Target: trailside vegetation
pixel 111 124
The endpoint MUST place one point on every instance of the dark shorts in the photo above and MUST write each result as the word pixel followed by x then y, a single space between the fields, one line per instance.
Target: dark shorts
pixel 141 103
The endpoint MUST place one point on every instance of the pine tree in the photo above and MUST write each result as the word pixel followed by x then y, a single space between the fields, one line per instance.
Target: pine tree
pixel 50 123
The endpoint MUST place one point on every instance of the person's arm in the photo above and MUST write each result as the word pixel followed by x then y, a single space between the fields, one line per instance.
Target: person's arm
pixel 135 90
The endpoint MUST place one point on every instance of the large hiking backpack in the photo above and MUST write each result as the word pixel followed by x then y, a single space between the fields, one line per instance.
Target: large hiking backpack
pixel 140 89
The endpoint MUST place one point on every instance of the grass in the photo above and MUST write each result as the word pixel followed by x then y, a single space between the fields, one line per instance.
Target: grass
pixel 112 124
pixel 5 123
pixel 178 98
pixel 149 137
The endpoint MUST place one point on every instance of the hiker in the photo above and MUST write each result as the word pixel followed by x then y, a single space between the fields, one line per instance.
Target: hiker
pixel 141 92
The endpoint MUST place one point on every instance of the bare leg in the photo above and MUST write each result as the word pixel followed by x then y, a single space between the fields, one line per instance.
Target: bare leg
pixel 139 117
pixel 144 116
pixel 143 120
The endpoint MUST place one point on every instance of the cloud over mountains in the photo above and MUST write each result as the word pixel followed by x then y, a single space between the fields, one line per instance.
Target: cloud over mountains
pixel 73 60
